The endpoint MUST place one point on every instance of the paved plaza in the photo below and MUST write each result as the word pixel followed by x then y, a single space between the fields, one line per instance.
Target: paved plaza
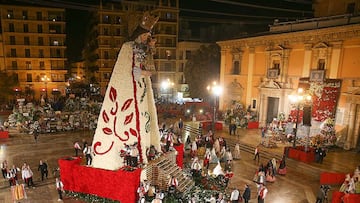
pixel 299 185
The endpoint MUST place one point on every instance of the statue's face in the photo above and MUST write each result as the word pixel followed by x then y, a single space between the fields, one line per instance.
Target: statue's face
pixel 144 37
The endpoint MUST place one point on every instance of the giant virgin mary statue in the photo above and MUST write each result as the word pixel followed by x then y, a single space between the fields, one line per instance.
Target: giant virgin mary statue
pixel 128 114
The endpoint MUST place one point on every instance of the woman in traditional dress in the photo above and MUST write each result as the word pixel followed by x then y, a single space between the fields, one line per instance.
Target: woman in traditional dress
pixel 207 158
pixel 217 170
pixel 282 167
pixel 270 177
pixel 216 146
pixel 213 158
pixel 228 155
pixel 236 153
pixel 222 155
pixel 274 166
pixel 194 148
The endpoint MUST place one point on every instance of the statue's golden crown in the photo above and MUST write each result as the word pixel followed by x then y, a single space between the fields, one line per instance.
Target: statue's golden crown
pixel 148 21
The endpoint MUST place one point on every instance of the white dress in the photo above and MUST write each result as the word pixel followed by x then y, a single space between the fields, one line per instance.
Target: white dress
pixel 236 152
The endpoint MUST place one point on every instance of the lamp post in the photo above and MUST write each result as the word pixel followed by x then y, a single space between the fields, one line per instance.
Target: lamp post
pixel 216 91
pixel 166 85
pixel 299 99
pixel 45 79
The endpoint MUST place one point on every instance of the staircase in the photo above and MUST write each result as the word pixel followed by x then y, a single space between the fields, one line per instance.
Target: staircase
pixel 160 170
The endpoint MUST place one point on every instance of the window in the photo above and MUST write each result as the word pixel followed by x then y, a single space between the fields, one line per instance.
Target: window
pixel 27 52
pixel 29 77
pixel 118 32
pixel 118 20
pixel 53 28
pixel 168 54
pixel 40 28
pixel 167 67
pixel 168 42
pixel 13 52
pixel 321 64
pixel 25 15
pixel 10 14
pixel 105 65
pixel 26 28
pixel 188 55
pixel 28 65
pixel 12 40
pixel 106 19
pixel 236 68
pixel 14 65
pixel 168 30
pixel 11 27
pixel 26 40
pixel 276 66
pixel 41 53
pixel 42 65
pixel 56 43
pixel 38 16
pixel 56 53
pixel 41 41
pixel 181 68
pixel 168 16
pixel 107 76
pixel 350 8
pixel 106 31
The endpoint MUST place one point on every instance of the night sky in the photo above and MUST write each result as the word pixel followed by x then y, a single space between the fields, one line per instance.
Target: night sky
pixel 249 14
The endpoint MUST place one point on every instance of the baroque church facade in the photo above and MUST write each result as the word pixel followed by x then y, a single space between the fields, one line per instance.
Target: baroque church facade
pixel 320 55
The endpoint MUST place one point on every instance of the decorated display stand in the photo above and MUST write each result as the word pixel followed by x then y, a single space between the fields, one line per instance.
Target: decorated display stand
pixel 118 185
pixel 300 154
pixel 4 134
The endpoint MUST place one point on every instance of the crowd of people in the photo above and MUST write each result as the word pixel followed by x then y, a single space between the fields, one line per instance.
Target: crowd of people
pixel 21 179
pixel 352 184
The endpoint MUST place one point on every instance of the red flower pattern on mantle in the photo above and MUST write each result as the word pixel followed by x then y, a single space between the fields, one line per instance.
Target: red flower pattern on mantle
pixel 111 129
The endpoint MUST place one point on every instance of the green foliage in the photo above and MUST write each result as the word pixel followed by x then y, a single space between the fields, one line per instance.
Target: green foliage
pixel 89 198
pixel 202 69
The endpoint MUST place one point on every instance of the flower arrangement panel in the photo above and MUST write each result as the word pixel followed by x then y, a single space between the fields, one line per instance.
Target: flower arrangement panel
pixel 325 100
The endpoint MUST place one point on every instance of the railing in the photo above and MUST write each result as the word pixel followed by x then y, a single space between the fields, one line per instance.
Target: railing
pixel 314 23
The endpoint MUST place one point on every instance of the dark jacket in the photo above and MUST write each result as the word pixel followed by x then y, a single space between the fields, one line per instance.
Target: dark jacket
pixel 246 194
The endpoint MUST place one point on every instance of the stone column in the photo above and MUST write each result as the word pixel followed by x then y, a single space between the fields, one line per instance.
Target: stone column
pixel 285 68
pixel 350 132
pixel 335 59
pixel 307 60
pixel 262 108
pixel 249 84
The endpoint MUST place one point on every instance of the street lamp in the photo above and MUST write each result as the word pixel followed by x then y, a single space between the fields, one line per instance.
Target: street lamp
pixel 216 91
pixel 45 79
pixel 300 99
pixel 166 85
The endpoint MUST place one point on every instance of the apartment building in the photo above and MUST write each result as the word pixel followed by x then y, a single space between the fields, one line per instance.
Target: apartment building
pixel 113 32
pixel 34 47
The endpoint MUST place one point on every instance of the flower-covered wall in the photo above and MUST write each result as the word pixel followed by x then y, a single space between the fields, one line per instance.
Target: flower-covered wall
pixel 325 97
